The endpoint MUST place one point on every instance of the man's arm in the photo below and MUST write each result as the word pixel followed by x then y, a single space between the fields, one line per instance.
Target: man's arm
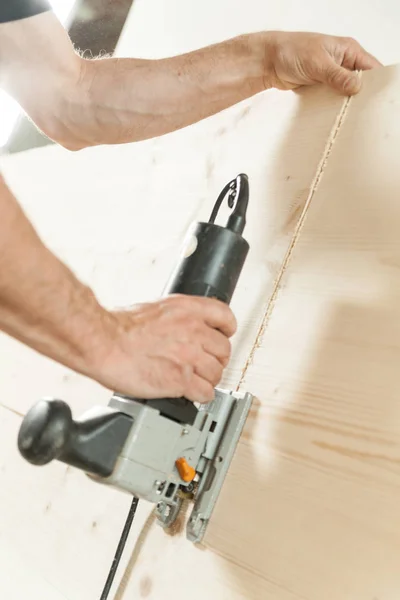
pixel 81 103
pixel 168 347
pixel 41 302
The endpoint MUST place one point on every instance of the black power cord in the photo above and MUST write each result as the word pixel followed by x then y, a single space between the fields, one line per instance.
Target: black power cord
pixel 120 548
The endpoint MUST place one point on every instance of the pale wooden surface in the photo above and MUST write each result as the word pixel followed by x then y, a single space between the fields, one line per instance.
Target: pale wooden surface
pixel 321 462
pixel 91 218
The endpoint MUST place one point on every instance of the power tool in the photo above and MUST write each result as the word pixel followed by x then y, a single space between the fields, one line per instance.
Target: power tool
pixel 168 449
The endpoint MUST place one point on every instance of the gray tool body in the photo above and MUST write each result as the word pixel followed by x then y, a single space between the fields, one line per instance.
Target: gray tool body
pixel 163 450
pixel 146 466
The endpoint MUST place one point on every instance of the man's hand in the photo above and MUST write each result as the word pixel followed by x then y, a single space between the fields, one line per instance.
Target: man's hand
pixel 296 59
pixel 175 347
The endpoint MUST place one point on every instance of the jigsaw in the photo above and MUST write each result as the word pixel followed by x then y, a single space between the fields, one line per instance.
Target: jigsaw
pixel 169 449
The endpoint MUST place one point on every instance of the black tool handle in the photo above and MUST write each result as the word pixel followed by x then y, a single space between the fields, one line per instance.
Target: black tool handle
pixel 211 270
pixel 212 266
pixel 213 256
pixel 212 260
pixel 93 443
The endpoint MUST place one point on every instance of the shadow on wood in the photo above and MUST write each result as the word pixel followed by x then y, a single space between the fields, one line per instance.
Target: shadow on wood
pixel 311 507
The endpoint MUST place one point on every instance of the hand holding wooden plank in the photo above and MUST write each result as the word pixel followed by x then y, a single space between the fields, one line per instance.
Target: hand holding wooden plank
pixel 296 59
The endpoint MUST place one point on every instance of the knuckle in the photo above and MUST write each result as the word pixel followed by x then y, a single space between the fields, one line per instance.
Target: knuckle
pixel 349 43
pixel 192 322
pixel 168 301
pixel 216 367
pixel 331 73
pixel 227 351
pixel 213 372
pixel 226 312
pixel 185 320
pixel 175 301
pixel 217 376
pixel 225 348
pixel 213 303
pixel 186 353
pixel 176 379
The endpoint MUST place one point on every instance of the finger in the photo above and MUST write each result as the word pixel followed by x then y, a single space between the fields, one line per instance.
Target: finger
pixel 343 81
pixel 218 345
pixel 218 315
pixel 365 61
pixel 200 390
pixel 355 57
pixel 209 368
pixel 215 313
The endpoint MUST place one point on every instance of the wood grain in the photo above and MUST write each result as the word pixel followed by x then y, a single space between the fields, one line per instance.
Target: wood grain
pixel 317 477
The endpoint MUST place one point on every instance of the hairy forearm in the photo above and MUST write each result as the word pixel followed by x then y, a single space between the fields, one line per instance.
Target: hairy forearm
pixel 79 102
pixel 41 302
pixel 129 99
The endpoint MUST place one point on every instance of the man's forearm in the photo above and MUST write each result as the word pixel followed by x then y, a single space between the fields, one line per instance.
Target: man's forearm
pixel 130 99
pixel 41 302
pixel 79 102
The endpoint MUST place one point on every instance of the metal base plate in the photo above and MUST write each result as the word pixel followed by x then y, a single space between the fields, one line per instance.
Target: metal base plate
pixel 216 470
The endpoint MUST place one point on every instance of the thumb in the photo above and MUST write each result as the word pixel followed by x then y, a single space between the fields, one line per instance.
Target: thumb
pixel 344 81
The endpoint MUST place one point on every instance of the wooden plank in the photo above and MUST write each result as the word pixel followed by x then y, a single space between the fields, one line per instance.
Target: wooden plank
pixel 86 207
pixel 316 481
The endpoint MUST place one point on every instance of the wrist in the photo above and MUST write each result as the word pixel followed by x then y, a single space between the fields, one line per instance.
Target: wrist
pixel 245 64
pixel 267 45
pixel 91 336
pixel 57 315
pixel 108 349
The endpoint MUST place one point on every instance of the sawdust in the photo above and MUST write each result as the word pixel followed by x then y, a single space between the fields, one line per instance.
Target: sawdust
pixel 178 525
pixel 313 188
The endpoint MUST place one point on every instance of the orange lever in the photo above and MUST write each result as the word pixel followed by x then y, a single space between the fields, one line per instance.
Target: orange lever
pixel 186 472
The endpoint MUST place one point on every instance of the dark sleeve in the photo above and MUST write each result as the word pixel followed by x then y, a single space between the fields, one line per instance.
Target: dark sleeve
pixel 13 10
